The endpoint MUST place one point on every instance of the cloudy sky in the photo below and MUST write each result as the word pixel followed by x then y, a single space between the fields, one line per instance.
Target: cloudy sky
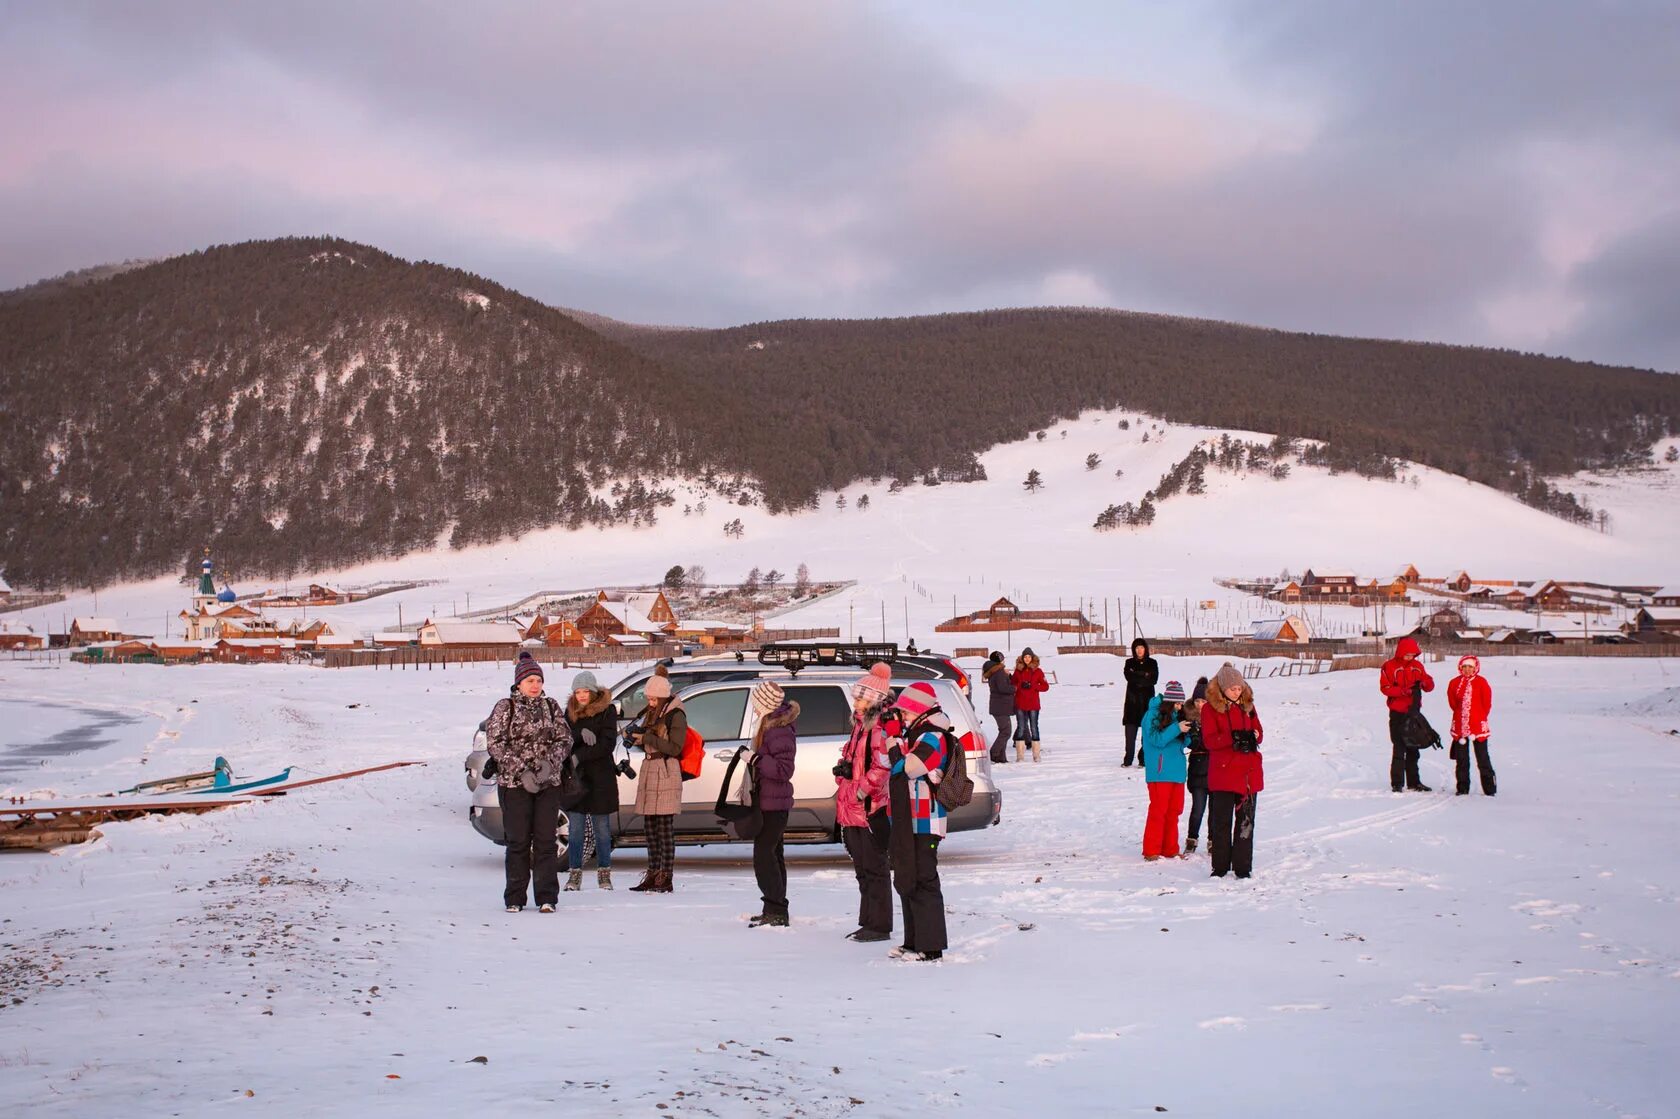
pixel 1502 173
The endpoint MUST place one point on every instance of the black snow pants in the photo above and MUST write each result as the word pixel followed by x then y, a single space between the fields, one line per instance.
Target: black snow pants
pixel 1231 832
pixel 868 849
pixel 1484 765
pixel 770 863
pixel 915 870
pixel 531 825
pixel 1403 762
pixel 1000 744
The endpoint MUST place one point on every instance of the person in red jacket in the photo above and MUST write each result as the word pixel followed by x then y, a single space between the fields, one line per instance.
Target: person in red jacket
pixel 1231 734
pixel 1403 681
pixel 1471 698
pixel 1029 685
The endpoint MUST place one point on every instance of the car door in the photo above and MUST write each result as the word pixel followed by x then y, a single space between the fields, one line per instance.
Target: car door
pixel 825 723
pixel 716 711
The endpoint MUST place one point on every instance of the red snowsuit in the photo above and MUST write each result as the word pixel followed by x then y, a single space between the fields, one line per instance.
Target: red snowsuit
pixel 1471 698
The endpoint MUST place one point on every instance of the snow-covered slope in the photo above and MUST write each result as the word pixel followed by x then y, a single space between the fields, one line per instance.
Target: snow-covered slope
pixel 975 540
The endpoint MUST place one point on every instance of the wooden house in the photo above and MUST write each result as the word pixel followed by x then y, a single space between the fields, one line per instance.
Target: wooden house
pixel 473 635
pixel 1291 629
pixel 1656 623
pixel 608 618
pixel 180 650
pixel 252 650
pixel 87 631
pixel 561 633
pixel 1328 584
pixel 1288 591
pixel 1666 596
pixel 20 636
pixel 653 606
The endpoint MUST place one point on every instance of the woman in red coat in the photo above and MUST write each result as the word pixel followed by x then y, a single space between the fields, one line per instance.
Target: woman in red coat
pixel 1231 734
pixel 1471 698
pixel 1029 685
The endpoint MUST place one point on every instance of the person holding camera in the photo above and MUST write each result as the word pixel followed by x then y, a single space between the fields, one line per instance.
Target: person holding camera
pixel 1403 681
pixel 594 724
pixel 528 740
pixel 916 757
pixel 775 744
pixel 664 730
pixel 1232 734
pixel 860 803
pixel 1196 766
pixel 1166 734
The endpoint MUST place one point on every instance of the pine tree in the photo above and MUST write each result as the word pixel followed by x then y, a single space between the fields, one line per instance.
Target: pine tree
pixel 1034 482
pixel 801 581
pixel 674 578
pixel 1092 461
pixel 751 583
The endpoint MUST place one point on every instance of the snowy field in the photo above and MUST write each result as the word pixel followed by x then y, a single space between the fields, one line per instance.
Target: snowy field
pixel 343 950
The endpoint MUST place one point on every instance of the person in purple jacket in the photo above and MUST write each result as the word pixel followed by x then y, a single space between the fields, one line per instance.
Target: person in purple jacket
pixel 774 745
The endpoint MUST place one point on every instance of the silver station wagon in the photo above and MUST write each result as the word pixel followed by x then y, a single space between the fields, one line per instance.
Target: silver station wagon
pixel 719 710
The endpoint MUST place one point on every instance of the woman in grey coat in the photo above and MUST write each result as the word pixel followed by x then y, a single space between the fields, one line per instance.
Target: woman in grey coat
pixel 664 726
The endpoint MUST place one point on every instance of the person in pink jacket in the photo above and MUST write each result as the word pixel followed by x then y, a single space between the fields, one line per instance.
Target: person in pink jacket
pixel 860 803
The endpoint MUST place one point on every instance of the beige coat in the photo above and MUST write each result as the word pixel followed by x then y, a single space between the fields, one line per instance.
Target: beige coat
pixel 659 780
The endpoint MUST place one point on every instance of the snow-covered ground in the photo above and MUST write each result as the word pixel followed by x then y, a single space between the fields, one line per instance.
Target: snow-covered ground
pixel 343 949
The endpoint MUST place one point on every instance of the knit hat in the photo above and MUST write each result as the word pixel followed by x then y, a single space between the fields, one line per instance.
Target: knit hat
pixel 995 658
pixel 1027 652
pixel 877 682
pixel 658 685
pixel 1200 690
pixel 1174 692
pixel 1470 659
pixel 585 682
pixel 526 665
pixel 766 696
pixel 918 699
pixel 1227 677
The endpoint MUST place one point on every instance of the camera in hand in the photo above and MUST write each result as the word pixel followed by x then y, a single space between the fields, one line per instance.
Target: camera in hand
pixel 1245 741
pixel 624 767
pixel 844 769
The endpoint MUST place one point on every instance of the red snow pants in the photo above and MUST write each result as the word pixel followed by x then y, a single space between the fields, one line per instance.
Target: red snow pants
pixel 1160 830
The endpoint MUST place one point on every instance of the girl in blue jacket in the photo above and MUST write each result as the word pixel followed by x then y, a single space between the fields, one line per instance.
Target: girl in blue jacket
pixel 1166 736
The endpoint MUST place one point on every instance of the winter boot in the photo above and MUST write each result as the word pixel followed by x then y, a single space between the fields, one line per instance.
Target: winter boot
pixel 1035 750
pixel 1020 750
pixel 574 881
pixel 662 885
pixel 603 879
pixel 648 884
pixel 1189 847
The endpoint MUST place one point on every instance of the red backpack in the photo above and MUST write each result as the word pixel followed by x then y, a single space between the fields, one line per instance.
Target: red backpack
pixel 693 753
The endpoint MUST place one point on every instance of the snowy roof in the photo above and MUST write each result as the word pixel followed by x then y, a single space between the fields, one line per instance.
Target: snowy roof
pixel 690 624
pixel 257 642
pixel 1661 613
pixel 1284 586
pixel 1471 635
pixel 474 633
pixel 393 637
pixel 15 628
pixel 1501 635
pixel 1664 592
pixel 643 601
pixel 95 625
pixel 1334 573
pixel 631 618
pixel 338 640
pixel 628 639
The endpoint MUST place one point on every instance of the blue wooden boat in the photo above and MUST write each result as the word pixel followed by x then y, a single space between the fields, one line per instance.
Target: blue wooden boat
pixel 231 786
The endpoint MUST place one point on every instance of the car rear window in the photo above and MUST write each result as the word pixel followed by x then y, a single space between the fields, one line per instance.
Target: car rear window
pixel 717 715
pixel 823 709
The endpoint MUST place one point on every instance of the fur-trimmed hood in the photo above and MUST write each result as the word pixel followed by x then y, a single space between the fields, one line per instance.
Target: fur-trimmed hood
pixel 1216 699
pixel 599 701
pixel 784 716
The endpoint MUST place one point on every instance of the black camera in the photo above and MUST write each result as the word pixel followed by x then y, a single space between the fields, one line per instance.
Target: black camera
pixel 1245 741
pixel 843 770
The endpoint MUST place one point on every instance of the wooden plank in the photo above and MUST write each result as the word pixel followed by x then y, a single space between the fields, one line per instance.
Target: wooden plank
pixel 276 790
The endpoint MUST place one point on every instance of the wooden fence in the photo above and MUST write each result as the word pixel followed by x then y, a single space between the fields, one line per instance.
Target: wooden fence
pixel 566 656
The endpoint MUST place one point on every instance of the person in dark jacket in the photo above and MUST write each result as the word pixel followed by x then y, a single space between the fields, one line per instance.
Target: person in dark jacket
pixel 1141 673
pixel 1196 776
pixel 529 741
pixel 1232 734
pixel 1001 703
pixel 1403 681
pixel 594 723
pixel 1030 685
pixel 774 746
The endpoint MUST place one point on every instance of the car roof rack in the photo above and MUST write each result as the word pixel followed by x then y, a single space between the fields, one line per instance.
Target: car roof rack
pixel 795 655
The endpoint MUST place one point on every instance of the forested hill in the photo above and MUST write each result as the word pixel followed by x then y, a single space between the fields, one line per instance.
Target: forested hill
pixel 304 403
pixel 900 397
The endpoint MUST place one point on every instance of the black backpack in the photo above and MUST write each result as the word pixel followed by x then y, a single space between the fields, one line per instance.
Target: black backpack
pixel 955 789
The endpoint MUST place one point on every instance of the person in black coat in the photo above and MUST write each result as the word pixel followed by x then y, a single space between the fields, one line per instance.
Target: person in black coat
pixel 1196 781
pixel 594 722
pixel 1141 673
pixel 1001 703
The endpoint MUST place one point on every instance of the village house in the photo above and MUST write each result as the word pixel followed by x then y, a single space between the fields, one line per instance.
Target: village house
pixel 221 619
pixel 252 650
pixel 19 636
pixel 608 619
pixel 561 633
pixel 181 650
pixel 87 631
pixel 469 635
pixel 1655 624
pixel 654 606
pixel 1666 596
pixel 1291 629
